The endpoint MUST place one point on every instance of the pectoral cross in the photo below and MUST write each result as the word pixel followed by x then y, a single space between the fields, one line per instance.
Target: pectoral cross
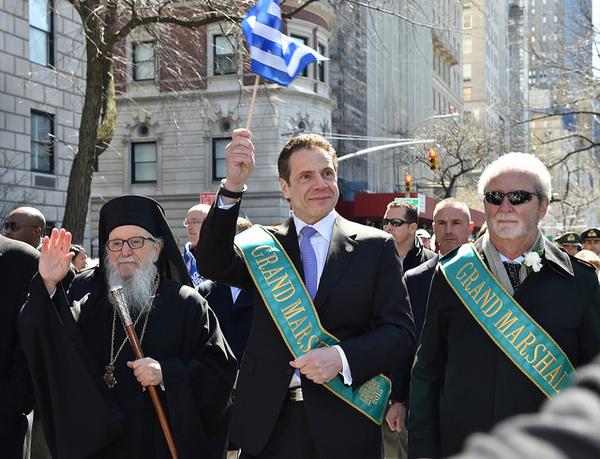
pixel 109 377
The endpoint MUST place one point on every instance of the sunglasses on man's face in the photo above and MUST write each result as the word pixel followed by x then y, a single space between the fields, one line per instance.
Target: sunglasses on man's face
pixel 397 222
pixel 515 198
pixel 14 226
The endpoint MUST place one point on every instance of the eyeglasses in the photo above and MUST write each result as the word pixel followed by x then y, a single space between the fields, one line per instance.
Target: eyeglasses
pixel 14 226
pixel 136 242
pixel 397 222
pixel 192 221
pixel 515 198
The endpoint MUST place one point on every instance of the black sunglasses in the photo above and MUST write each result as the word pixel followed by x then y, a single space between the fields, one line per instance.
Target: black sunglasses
pixel 13 226
pixel 515 198
pixel 393 221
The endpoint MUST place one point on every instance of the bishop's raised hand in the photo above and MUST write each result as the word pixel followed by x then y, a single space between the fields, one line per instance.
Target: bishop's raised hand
pixel 55 258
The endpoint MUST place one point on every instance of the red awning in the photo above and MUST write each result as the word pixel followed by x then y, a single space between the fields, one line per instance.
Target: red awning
pixel 372 206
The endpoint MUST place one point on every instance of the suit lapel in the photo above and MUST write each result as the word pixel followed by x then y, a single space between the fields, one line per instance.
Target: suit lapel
pixel 341 251
pixel 287 236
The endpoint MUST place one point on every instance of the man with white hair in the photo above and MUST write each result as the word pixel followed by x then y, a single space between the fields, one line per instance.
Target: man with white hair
pixel 86 379
pixel 507 318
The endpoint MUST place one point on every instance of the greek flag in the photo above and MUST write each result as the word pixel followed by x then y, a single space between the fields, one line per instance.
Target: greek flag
pixel 274 56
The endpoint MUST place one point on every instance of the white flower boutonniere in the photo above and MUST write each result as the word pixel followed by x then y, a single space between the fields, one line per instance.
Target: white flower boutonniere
pixel 533 261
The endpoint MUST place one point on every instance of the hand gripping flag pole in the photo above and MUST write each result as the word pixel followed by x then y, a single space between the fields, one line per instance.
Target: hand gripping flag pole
pixel 273 55
pixel 123 310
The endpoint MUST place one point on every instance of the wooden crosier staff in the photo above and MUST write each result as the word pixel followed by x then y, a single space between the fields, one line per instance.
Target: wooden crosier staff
pixel 123 311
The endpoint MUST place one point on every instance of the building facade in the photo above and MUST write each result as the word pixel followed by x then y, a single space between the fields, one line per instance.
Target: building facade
pixel 560 85
pixel 42 72
pixel 182 95
pixel 395 69
pixel 485 66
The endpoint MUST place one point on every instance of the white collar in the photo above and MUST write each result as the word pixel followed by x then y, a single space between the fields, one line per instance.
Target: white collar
pixel 324 226
pixel 519 260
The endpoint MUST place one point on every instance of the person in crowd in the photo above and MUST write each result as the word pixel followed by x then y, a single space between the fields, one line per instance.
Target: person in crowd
pixel 193 225
pixel 425 238
pixel 400 220
pixel 80 259
pixel 347 279
pixel 590 239
pixel 590 257
pixel 18 264
pixel 26 224
pixel 86 379
pixel 570 242
pixel 452 227
pixel 507 318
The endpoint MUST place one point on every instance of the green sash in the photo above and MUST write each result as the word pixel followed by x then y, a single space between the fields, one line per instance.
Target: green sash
pixel 294 314
pixel 527 344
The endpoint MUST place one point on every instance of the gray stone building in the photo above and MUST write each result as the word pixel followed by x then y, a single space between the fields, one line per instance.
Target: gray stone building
pixel 518 95
pixel 394 69
pixel 485 67
pixel 41 87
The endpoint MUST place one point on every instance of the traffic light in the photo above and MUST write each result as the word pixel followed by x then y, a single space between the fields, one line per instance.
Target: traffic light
pixel 434 162
pixel 408 181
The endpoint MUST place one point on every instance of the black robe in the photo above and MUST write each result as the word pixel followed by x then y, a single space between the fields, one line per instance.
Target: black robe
pixel 83 418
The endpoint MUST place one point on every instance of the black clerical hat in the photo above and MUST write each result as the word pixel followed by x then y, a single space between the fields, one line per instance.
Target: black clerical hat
pixel 148 214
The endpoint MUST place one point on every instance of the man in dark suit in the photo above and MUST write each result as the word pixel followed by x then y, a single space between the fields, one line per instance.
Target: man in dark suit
pixel 463 381
pixel 452 226
pixel 280 413
pixel 400 220
pixel 18 264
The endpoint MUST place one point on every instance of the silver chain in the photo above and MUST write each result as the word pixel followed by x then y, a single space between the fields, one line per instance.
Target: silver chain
pixel 113 357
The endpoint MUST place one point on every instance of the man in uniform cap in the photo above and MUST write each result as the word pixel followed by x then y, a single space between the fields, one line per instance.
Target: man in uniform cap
pixel 590 239
pixel 569 242
pixel 87 381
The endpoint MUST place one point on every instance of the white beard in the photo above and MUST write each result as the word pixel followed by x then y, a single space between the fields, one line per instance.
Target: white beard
pixel 138 289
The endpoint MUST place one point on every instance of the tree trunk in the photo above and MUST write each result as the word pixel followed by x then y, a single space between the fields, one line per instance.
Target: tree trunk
pixel 80 178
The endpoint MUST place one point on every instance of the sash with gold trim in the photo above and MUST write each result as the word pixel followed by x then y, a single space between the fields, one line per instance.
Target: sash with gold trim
pixel 296 318
pixel 523 341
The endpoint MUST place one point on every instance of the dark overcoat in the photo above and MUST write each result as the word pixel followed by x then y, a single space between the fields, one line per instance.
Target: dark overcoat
pixel 18 264
pixel 463 383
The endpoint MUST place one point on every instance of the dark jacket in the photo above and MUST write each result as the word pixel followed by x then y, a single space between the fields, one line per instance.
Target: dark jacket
pixel 235 318
pixel 418 281
pixel 463 383
pixel 566 426
pixel 359 300
pixel 18 264
pixel 416 256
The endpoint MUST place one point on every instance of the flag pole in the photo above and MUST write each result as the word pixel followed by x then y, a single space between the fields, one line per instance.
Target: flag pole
pixel 254 91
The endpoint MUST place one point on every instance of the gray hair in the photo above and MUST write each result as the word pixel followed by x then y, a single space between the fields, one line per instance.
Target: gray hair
pixel 519 162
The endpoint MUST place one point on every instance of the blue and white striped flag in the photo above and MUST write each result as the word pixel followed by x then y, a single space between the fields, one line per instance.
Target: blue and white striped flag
pixel 274 56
